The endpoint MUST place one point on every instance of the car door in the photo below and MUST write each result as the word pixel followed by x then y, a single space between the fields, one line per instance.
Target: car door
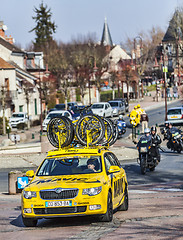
pixel 108 109
pixel 116 179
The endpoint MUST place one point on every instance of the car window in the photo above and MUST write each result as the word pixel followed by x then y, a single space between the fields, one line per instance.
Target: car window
pixel 108 162
pixel 174 111
pixel 70 165
pixel 106 106
pixel 18 115
pixel 98 106
pixel 66 114
pixel 54 115
pixel 114 104
pixel 114 159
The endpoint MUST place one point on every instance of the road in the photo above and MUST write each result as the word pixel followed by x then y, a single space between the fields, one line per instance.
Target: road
pixel 156 116
pixel 155 210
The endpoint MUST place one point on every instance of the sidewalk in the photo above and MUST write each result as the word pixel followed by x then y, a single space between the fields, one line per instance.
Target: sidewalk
pixel 150 102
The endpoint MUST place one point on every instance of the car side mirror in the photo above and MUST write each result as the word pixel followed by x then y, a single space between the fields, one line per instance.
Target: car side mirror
pixel 29 173
pixel 114 169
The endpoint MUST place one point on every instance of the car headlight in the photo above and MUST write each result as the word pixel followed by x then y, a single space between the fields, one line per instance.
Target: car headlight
pixel 29 194
pixel 92 191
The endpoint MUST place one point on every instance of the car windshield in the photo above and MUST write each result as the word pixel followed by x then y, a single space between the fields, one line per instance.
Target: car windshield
pixel 97 106
pixel 174 111
pixel 60 106
pixel 53 115
pixel 18 115
pixel 114 104
pixel 70 166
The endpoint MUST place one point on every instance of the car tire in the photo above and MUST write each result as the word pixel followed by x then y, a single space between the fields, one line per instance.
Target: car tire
pixel 108 216
pixel 124 205
pixel 29 222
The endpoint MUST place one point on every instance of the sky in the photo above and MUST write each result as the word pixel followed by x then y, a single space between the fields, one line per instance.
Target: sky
pixel 74 18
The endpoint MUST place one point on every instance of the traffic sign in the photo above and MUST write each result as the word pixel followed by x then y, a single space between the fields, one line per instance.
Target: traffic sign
pixel 22 182
pixel 165 69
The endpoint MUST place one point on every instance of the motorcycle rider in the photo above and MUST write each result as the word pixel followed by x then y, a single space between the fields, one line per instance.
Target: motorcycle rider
pixel 171 130
pixel 165 130
pixel 155 140
pixel 146 136
pixel 120 118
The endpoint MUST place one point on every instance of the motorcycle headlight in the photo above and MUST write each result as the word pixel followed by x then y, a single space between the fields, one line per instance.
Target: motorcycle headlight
pixel 120 124
pixel 29 194
pixel 92 191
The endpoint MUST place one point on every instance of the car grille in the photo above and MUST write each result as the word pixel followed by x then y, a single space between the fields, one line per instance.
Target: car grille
pixel 59 210
pixel 64 194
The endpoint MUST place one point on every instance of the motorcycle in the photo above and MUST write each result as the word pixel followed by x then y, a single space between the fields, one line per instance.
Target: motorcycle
pixel 148 158
pixel 175 142
pixel 121 124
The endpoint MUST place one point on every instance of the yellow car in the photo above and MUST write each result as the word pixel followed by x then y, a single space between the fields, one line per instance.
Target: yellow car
pixel 75 182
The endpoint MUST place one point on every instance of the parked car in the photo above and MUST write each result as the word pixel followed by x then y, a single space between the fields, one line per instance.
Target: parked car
pixel 102 109
pixel 17 118
pixel 118 107
pixel 175 115
pixel 54 114
pixel 61 106
pixel 124 101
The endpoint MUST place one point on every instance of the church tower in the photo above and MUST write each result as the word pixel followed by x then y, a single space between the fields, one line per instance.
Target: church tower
pixel 106 36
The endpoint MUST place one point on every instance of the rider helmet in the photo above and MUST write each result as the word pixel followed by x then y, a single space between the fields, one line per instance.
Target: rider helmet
pixel 153 128
pixel 138 105
pixel 146 130
pixel 135 107
pixel 120 117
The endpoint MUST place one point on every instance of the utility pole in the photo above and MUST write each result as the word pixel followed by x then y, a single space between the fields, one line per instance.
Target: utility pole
pixel 165 77
pixel 3 106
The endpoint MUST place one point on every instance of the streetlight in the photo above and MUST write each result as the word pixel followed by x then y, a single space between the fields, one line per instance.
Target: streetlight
pixel 94 70
pixel 135 53
pixel 155 68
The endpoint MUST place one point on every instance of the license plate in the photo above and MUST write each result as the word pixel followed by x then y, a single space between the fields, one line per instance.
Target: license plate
pixel 174 117
pixel 58 204
pixel 143 149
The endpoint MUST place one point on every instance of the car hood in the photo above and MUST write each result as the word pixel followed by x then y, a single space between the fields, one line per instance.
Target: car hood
pixel 73 181
pixel 16 119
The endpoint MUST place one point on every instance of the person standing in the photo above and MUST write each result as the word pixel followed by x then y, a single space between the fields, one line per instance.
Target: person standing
pixel 144 120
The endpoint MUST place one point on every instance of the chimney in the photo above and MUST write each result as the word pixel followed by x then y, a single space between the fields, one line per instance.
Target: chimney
pixel 2 30
pixel 9 39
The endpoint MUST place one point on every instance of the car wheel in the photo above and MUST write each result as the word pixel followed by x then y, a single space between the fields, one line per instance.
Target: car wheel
pixel 29 222
pixel 109 214
pixel 124 205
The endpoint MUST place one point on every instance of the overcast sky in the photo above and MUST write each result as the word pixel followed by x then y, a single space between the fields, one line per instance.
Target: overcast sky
pixel 125 18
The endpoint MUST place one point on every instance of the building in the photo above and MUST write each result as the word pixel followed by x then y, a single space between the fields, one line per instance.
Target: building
pixel 19 88
pixel 171 49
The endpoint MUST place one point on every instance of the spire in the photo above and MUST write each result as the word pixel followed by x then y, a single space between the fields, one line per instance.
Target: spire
pixel 106 36
pixel 174 30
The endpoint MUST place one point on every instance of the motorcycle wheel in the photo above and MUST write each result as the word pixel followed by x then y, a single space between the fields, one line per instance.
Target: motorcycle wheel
pixel 152 169
pixel 143 165
pixel 179 149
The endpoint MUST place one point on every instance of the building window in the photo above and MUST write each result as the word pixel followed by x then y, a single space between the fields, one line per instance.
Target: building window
pixel 21 108
pixel 35 106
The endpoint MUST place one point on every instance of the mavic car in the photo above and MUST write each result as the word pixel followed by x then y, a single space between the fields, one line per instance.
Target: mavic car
pixel 75 182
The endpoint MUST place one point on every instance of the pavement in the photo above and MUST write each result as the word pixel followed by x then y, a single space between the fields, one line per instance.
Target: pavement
pixel 32 148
